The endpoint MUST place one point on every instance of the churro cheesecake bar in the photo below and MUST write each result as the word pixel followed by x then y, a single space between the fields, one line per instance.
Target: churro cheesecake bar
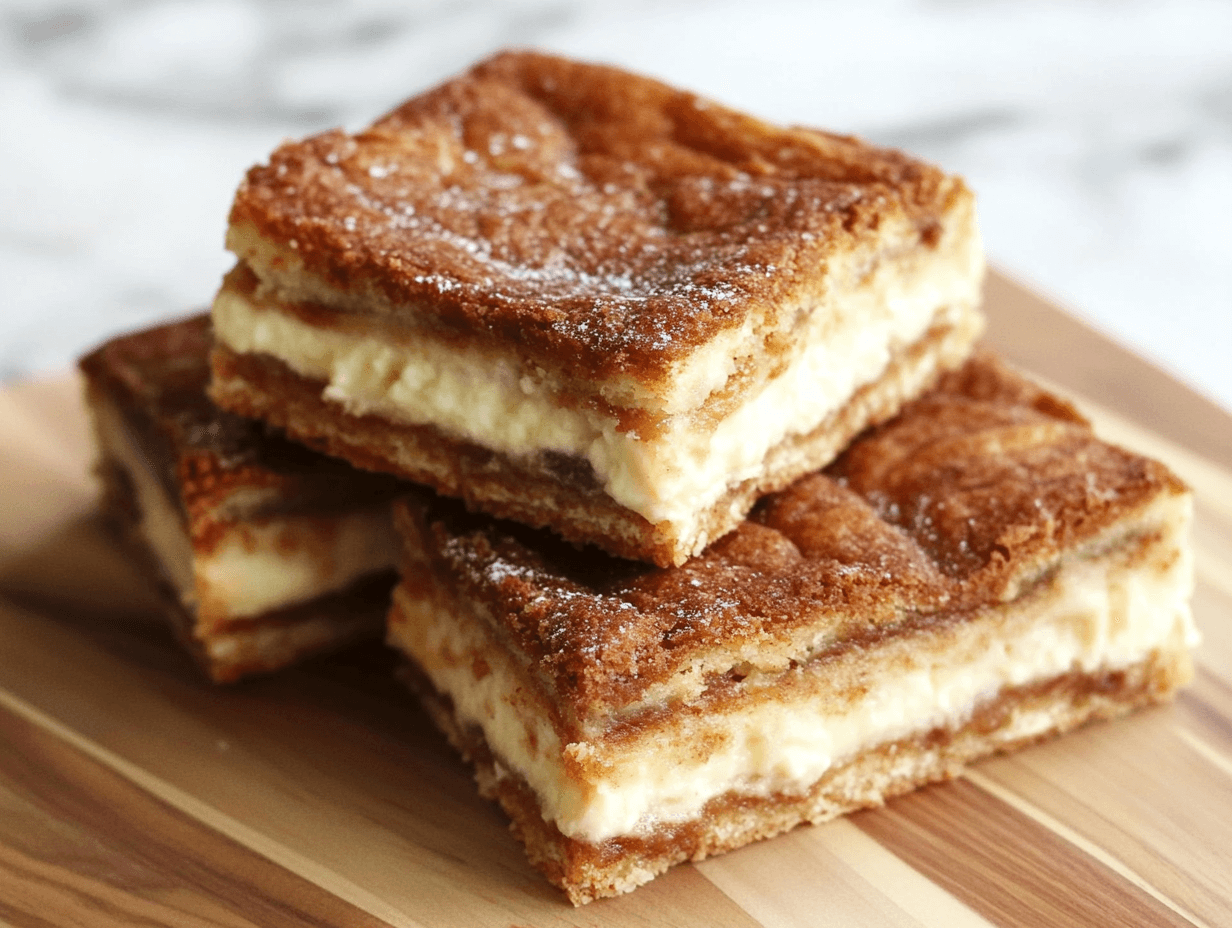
pixel 581 299
pixel 977 574
pixel 265 551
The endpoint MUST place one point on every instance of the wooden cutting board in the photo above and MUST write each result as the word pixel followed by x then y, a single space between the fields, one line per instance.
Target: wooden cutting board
pixel 131 792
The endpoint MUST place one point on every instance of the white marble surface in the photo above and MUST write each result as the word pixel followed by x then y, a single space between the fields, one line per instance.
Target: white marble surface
pixel 1098 135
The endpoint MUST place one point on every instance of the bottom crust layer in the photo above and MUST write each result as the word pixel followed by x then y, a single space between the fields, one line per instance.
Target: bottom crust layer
pixel 1016 717
pixel 545 491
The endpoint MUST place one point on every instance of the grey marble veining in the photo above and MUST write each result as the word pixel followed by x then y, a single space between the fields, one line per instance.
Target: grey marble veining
pixel 1097 135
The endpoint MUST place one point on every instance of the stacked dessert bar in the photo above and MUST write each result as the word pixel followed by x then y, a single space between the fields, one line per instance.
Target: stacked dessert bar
pixel 974 575
pixel 264 552
pixel 585 301
pixel 731 531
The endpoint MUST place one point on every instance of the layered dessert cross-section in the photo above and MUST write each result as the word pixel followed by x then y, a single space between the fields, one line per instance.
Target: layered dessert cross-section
pixel 581 299
pixel 977 574
pixel 264 551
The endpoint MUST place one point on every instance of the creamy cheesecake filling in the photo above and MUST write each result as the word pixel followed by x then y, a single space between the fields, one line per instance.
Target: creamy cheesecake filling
pixel 256 566
pixel 285 560
pixel 673 477
pixel 282 271
pixel 1095 616
pixel 953 267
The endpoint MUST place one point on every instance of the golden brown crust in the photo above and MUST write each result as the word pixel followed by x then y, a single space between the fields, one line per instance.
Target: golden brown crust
pixel 162 373
pixel 157 379
pixel 552 490
pixel 581 212
pixel 225 474
pixel 968 494
pixel 588 871
pixel 990 474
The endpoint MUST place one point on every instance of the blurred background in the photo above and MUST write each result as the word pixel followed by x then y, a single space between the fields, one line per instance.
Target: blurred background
pixel 1097 135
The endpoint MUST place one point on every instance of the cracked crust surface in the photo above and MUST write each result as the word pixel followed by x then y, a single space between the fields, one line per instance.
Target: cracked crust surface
pixel 582 212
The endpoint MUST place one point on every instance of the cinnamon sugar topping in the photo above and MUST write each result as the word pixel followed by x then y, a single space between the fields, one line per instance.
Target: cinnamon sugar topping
pixel 579 210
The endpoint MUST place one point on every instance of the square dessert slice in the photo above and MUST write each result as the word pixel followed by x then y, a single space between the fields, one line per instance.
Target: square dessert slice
pixel 265 551
pixel 977 574
pixel 584 300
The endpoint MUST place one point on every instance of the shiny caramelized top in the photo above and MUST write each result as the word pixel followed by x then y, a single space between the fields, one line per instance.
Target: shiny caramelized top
pixel 580 211
pixel 975 489
pixel 157 379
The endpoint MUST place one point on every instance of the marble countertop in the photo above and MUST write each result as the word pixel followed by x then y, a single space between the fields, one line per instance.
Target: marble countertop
pixel 1097 135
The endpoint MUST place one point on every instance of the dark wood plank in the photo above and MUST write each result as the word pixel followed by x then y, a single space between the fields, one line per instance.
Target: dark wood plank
pixel 1006 866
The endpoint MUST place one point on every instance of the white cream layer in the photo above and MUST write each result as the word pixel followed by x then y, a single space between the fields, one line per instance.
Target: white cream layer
pixel 675 477
pixel 285 560
pixel 1097 618
pixel 256 566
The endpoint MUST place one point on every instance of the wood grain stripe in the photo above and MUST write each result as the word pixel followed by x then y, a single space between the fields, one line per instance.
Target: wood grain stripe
pixel 864 884
pixel 145 798
pixel 81 844
pixel 1214 571
pixel 1004 864
pixel 1212 606
pixel 51 419
pixel 1135 789
pixel 36 891
pixel 1207 711
pixel 1079 841
pixel 1207 752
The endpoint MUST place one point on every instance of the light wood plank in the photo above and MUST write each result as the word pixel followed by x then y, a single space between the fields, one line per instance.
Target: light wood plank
pixel 45 460
pixel 864 884
pixel 1137 790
